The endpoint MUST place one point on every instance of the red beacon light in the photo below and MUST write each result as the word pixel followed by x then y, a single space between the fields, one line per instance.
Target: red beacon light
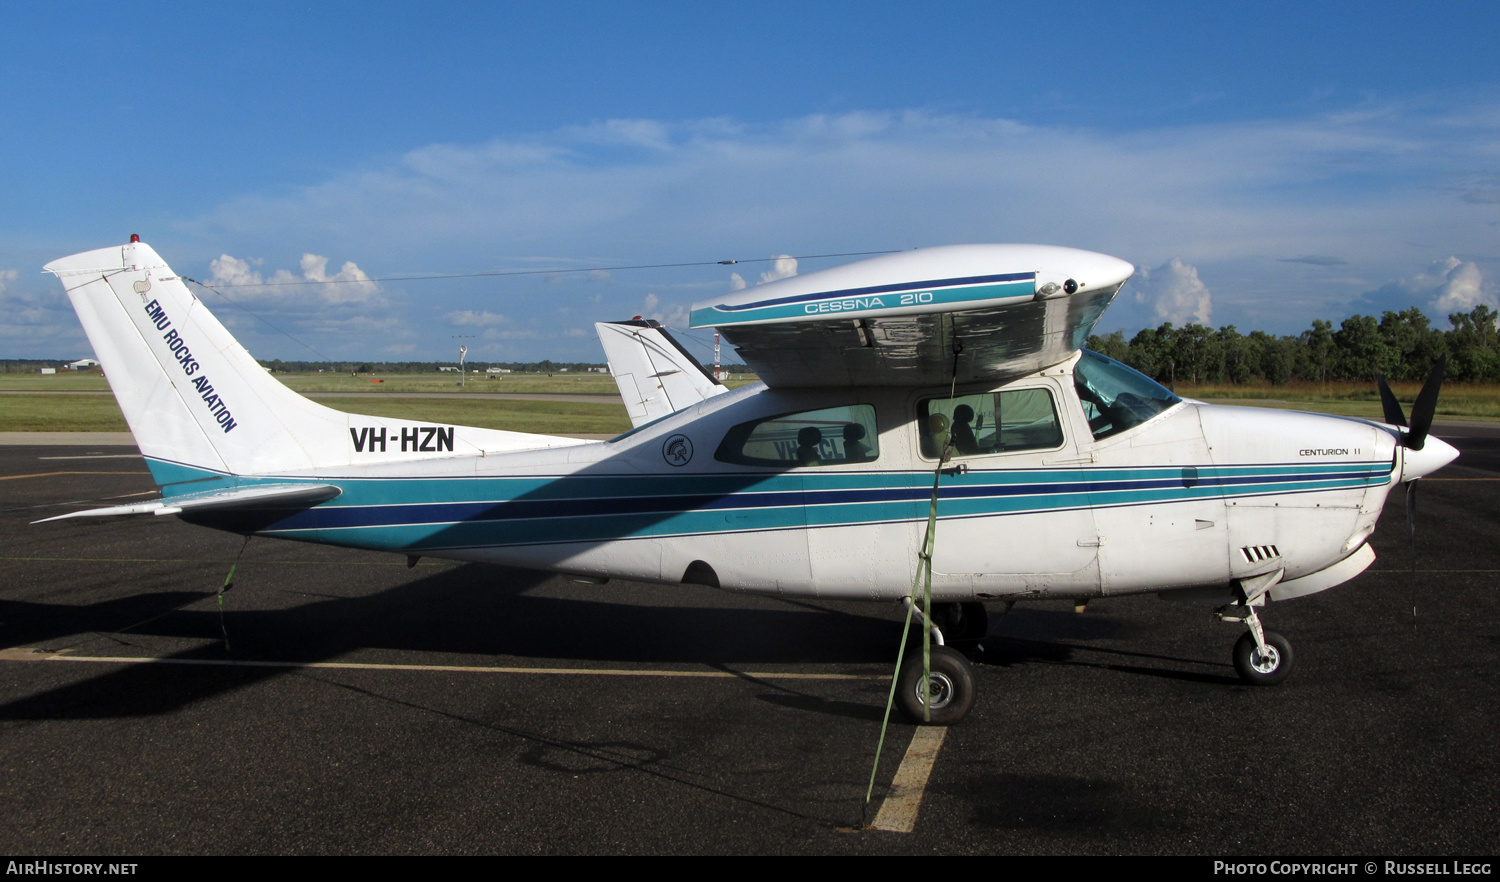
pixel 134 238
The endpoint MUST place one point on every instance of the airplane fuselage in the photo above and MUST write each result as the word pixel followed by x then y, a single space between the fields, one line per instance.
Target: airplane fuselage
pixel 1195 495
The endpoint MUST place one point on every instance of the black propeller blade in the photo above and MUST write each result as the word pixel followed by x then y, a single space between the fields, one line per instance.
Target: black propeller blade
pixel 1425 406
pixel 1389 404
pixel 1422 410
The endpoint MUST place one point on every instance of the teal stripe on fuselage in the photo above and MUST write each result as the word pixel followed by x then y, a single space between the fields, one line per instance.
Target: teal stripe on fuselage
pixel 842 305
pixel 787 500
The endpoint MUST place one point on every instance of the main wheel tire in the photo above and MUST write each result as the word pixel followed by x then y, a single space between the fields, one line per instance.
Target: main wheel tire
pixel 952 685
pixel 1263 671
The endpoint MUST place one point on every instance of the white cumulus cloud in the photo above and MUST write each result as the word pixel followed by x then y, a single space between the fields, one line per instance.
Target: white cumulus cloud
pixel 1446 286
pixel 350 285
pixel 1462 287
pixel 475 318
pixel 784 266
pixel 1174 293
pixel 673 315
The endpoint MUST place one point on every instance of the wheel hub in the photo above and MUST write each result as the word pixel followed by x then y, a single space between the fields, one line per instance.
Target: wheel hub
pixel 941 687
pixel 1267 662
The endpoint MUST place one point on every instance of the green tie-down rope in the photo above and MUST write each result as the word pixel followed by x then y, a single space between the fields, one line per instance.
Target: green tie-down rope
pixel 923 581
pixel 229 583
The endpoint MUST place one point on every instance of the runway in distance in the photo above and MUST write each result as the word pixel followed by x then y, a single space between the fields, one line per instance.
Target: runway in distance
pixel 950 376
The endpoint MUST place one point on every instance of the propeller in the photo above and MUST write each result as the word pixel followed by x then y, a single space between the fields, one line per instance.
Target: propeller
pixel 1414 439
pixel 1422 410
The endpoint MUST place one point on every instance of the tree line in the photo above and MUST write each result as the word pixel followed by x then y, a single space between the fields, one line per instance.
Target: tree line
pixel 420 367
pixel 1400 345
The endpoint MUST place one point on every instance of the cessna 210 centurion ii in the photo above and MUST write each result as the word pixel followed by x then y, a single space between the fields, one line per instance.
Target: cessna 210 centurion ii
pixel 950 377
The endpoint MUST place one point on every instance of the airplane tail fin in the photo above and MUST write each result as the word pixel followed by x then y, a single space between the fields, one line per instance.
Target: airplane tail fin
pixel 655 374
pixel 195 398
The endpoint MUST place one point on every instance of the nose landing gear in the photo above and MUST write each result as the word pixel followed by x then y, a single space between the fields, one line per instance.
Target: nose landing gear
pixel 1261 657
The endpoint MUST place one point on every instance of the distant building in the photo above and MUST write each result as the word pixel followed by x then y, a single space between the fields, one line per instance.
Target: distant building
pixel 444 367
pixel 497 370
pixel 82 364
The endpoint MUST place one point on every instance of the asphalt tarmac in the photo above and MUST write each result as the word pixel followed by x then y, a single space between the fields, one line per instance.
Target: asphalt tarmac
pixel 342 703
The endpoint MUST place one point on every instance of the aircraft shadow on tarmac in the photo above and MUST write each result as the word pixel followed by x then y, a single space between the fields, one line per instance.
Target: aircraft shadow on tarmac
pixel 492 615
pixel 484 614
pixel 1058 804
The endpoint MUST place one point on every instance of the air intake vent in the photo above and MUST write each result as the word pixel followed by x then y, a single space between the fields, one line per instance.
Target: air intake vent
pixel 1258 553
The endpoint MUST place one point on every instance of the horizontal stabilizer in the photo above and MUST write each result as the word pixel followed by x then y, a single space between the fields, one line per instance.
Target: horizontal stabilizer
pixel 258 497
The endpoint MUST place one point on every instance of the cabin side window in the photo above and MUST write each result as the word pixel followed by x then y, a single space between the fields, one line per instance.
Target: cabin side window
pixel 831 436
pixel 991 422
pixel 1116 397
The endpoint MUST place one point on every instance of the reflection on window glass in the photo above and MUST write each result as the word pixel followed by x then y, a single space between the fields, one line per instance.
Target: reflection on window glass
pixel 991 422
pixel 1116 397
pixel 832 436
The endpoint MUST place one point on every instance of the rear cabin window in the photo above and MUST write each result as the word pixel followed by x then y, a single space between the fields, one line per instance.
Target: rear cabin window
pixel 991 422
pixel 831 436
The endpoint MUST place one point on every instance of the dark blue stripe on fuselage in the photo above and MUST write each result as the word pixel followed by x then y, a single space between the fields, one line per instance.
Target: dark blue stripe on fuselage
pixel 398 514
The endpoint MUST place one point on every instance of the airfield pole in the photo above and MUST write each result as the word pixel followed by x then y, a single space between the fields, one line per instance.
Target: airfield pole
pixel 462 351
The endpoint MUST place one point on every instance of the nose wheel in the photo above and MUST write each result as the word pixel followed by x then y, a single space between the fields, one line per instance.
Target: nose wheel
pixel 1263 666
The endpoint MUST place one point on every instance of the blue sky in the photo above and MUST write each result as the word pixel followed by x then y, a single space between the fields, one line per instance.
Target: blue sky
pixel 1264 164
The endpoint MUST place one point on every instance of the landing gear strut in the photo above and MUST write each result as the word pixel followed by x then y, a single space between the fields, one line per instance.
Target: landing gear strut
pixel 1261 657
pixel 950 680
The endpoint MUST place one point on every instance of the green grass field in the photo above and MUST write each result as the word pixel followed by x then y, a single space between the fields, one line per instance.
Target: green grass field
pixel 37 411
pixel 99 413
pixel 1458 400
pixel 435 382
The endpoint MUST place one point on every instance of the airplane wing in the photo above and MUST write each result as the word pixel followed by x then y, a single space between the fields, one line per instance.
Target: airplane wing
pixel 1010 310
pixel 655 374
pixel 256 498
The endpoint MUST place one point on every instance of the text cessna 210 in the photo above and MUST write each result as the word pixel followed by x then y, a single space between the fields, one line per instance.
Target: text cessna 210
pixel 1059 473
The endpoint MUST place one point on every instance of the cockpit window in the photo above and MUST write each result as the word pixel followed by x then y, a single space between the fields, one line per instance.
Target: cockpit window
pixel 832 436
pixel 1116 397
pixel 991 422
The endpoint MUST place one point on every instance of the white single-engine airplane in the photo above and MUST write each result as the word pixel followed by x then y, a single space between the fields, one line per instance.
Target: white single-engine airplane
pixel 1059 473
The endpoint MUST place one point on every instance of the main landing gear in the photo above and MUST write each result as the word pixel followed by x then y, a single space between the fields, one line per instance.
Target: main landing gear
pixel 1261 657
pixel 950 674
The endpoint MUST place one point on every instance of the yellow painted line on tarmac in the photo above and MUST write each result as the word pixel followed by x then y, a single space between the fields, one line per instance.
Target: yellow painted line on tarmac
pixel 24 654
pixel 52 474
pixel 898 811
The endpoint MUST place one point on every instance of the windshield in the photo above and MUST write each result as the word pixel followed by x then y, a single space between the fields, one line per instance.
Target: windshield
pixel 1116 397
